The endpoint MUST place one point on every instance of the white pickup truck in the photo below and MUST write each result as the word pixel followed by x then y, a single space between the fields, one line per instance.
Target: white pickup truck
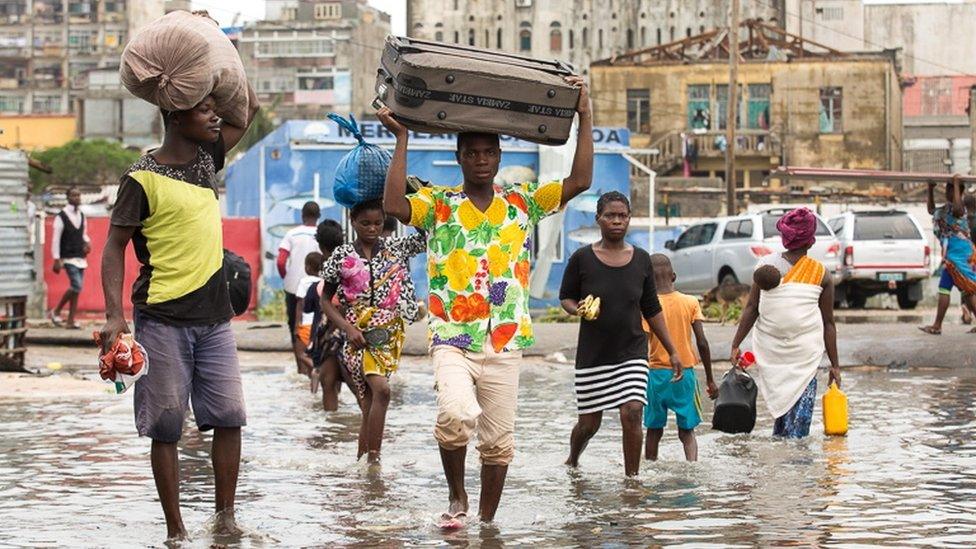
pixel 726 249
pixel 884 251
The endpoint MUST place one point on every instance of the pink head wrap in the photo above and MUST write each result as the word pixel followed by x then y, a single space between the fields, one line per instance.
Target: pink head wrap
pixel 799 228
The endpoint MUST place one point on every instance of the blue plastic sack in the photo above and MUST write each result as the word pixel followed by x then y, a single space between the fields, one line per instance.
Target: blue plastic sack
pixel 361 173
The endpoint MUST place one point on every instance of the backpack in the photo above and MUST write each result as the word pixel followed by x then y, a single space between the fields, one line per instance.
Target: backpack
pixel 735 407
pixel 238 275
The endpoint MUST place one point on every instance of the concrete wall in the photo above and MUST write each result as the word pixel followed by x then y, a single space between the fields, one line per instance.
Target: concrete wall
pixel 936 36
pixel 37 131
pixel 838 24
pixel 142 12
pixel 871 106
pixel 644 19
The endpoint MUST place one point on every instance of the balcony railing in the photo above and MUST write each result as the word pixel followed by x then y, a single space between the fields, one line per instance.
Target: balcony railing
pixel 747 142
pixel 665 154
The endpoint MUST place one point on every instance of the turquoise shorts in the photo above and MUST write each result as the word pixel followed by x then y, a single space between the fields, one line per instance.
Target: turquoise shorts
pixel 682 397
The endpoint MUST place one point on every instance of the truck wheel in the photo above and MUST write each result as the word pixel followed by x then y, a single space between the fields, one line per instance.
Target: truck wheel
pixel 856 300
pixel 904 301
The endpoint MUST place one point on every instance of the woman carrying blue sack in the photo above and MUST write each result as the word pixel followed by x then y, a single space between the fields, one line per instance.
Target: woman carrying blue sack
pixel 361 174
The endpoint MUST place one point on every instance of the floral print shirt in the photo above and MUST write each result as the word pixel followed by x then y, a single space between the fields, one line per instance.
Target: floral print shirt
pixel 382 282
pixel 478 262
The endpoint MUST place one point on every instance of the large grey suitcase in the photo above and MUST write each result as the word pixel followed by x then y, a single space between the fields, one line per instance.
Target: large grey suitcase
pixel 436 87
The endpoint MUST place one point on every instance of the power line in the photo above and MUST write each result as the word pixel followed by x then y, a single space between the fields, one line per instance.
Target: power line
pixel 864 40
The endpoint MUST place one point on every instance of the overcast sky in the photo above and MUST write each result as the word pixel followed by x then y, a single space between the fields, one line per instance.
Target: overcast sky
pixel 224 10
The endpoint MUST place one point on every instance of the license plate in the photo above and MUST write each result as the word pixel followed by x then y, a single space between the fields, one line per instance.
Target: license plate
pixel 891 277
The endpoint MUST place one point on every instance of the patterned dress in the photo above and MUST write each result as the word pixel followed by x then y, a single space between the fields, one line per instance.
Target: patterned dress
pixel 375 295
pixel 959 252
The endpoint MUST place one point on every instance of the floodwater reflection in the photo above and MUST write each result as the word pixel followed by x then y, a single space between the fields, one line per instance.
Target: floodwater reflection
pixel 73 473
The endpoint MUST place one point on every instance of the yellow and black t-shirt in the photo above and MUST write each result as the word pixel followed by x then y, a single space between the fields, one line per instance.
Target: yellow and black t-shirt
pixel 178 239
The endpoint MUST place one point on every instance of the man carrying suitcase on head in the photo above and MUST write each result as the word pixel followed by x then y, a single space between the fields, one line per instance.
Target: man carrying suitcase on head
pixel 478 269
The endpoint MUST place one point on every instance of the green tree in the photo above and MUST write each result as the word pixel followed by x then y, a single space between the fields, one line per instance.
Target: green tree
pixel 82 161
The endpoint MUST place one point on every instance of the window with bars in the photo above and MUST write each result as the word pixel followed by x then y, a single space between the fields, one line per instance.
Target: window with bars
pixel 11 104
pixel 81 41
pixel 831 111
pixel 328 10
pixel 831 14
pixel 47 104
pixel 298 47
pixel 699 108
pixel 758 106
pixel 639 111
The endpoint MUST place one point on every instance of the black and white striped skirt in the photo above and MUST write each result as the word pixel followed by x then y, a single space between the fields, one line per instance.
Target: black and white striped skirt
pixel 608 386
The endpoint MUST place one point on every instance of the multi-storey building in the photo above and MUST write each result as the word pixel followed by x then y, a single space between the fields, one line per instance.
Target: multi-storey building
pixel 799 104
pixel 48 47
pixel 309 58
pixel 577 31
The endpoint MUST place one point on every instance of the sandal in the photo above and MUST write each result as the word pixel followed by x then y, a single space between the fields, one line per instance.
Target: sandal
pixel 453 521
pixel 930 330
pixel 55 318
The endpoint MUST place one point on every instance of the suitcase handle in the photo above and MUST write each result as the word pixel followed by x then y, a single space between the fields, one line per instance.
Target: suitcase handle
pixel 405 43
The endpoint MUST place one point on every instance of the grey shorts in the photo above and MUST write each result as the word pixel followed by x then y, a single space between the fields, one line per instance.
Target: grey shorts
pixel 194 364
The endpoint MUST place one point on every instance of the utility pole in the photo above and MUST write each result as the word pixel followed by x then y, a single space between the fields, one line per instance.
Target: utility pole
pixel 732 107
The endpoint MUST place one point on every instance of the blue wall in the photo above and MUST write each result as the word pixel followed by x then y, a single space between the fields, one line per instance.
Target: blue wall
pixel 297 150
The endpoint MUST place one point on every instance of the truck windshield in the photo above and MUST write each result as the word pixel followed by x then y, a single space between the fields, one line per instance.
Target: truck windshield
pixel 885 226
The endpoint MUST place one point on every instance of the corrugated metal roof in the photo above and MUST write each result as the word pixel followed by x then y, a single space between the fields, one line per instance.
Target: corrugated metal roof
pixel 16 266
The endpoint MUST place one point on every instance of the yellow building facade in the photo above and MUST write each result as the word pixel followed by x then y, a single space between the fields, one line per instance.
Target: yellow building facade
pixel 799 104
pixel 38 131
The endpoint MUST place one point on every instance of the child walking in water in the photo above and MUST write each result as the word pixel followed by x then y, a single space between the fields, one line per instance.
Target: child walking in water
pixel 372 280
pixel 303 319
pixel 683 316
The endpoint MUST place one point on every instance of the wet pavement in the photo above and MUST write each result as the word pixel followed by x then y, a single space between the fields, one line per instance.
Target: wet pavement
pixel 72 472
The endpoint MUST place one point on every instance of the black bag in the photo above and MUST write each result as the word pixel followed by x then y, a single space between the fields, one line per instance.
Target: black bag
pixel 735 408
pixel 238 274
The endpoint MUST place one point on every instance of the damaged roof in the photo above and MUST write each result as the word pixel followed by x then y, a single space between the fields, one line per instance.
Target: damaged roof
pixel 758 41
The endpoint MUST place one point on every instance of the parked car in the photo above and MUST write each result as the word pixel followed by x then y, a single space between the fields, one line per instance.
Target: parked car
pixel 883 252
pixel 727 249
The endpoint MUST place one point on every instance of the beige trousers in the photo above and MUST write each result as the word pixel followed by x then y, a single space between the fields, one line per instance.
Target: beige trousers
pixel 477 392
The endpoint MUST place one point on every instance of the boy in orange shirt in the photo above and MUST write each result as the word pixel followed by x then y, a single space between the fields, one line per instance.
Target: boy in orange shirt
pixel 666 391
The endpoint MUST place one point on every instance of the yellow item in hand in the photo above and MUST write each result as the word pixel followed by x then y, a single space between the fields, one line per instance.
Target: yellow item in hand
pixel 835 411
pixel 589 308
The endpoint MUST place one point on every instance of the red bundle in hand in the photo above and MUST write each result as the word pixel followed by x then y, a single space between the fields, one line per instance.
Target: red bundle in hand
pixel 124 357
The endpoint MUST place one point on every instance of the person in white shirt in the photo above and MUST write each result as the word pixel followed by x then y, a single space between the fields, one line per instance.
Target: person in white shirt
pixel 297 243
pixel 70 246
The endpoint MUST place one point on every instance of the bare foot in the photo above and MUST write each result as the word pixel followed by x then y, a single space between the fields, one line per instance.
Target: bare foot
pixel 224 524
pixel 931 330
pixel 176 540
pixel 973 331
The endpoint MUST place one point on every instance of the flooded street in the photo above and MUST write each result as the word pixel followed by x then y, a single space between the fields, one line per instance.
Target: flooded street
pixel 72 472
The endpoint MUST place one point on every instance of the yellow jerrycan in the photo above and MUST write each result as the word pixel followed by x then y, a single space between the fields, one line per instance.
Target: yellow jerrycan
pixel 835 411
